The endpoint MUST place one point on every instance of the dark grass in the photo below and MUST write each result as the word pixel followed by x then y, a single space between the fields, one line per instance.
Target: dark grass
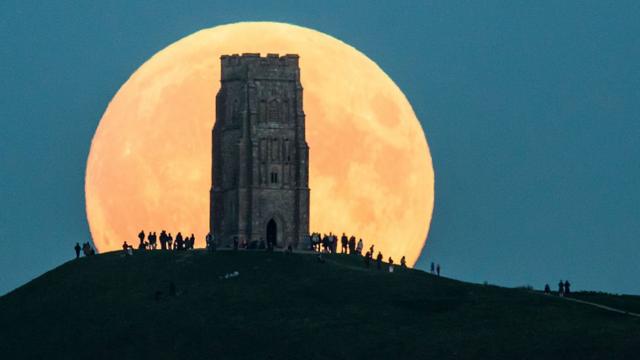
pixel 292 307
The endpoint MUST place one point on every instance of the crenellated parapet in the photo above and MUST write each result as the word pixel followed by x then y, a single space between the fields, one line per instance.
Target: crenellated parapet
pixel 252 66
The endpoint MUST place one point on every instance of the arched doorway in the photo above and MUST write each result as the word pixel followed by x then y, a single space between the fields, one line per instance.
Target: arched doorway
pixel 272 233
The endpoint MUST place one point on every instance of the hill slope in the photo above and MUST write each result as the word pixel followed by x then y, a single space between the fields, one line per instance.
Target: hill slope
pixel 291 307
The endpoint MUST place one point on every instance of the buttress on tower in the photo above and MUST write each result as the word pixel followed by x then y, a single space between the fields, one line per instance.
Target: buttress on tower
pixel 260 169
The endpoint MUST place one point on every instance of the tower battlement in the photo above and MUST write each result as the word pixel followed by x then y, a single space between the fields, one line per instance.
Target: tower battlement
pixel 253 66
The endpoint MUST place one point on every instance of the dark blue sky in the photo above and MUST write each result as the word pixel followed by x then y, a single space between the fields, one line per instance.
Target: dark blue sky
pixel 531 110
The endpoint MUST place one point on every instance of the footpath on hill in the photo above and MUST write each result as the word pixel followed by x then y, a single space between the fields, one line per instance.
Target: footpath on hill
pixel 604 307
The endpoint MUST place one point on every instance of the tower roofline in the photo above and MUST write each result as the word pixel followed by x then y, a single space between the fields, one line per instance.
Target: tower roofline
pixel 256 58
pixel 254 66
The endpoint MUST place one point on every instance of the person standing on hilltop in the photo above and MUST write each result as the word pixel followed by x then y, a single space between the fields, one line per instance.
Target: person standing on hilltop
pixel 560 288
pixel 367 259
pixel 179 241
pixel 163 240
pixel 403 263
pixel 86 249
pixel 151 242
pixel 77 249
pixel 433 268
pixel 344 242
pixel 567 287
pixel 438 269
pixel 334 244
pixel 379 260
pixel 141 237
pixel 390 264
pixel 359 247
pixel 207 241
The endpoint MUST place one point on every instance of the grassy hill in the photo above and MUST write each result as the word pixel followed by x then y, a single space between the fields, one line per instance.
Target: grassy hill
pixel 293 307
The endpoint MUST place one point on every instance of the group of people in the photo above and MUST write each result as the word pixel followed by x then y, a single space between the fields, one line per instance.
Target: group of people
pixel 86 249
pixel 435 268
pixel 167 241
pixel 564 288
pixel 328 243
pixel 368 258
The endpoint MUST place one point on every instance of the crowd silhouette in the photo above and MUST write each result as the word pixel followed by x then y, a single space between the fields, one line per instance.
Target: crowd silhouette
pixel 167 241
pixel 564 288
pixel 328 244
pixel 319 243
pixel 86 249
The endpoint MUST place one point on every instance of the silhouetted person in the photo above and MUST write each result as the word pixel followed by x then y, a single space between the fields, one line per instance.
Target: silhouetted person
pixel 153 239
pixel 367 259
pixel 433 268
pixel 438 269
pixel 141 237
pixel 163 240
pixel 192 241
pixel 170 241
pixel 334 243
pixel 344 242
pixel 128 249
pixel 179 241
pixel 561 288
pixel 379 260
pixel 390 264
pixel 403 262
pixel 87 250
pixel 567 287
pixel 547 289
pixel 77 249
pixel 315 242
pixel 209 240
pixel 359 247
pixel 371 250
pixel 352 245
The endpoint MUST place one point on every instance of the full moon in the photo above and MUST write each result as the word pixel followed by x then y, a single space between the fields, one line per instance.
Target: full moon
pixel 370 169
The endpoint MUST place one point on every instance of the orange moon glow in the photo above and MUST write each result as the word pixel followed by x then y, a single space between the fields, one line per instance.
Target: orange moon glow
pixel 370 167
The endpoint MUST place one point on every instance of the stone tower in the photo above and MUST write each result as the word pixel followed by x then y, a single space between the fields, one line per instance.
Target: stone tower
pixel 260 170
